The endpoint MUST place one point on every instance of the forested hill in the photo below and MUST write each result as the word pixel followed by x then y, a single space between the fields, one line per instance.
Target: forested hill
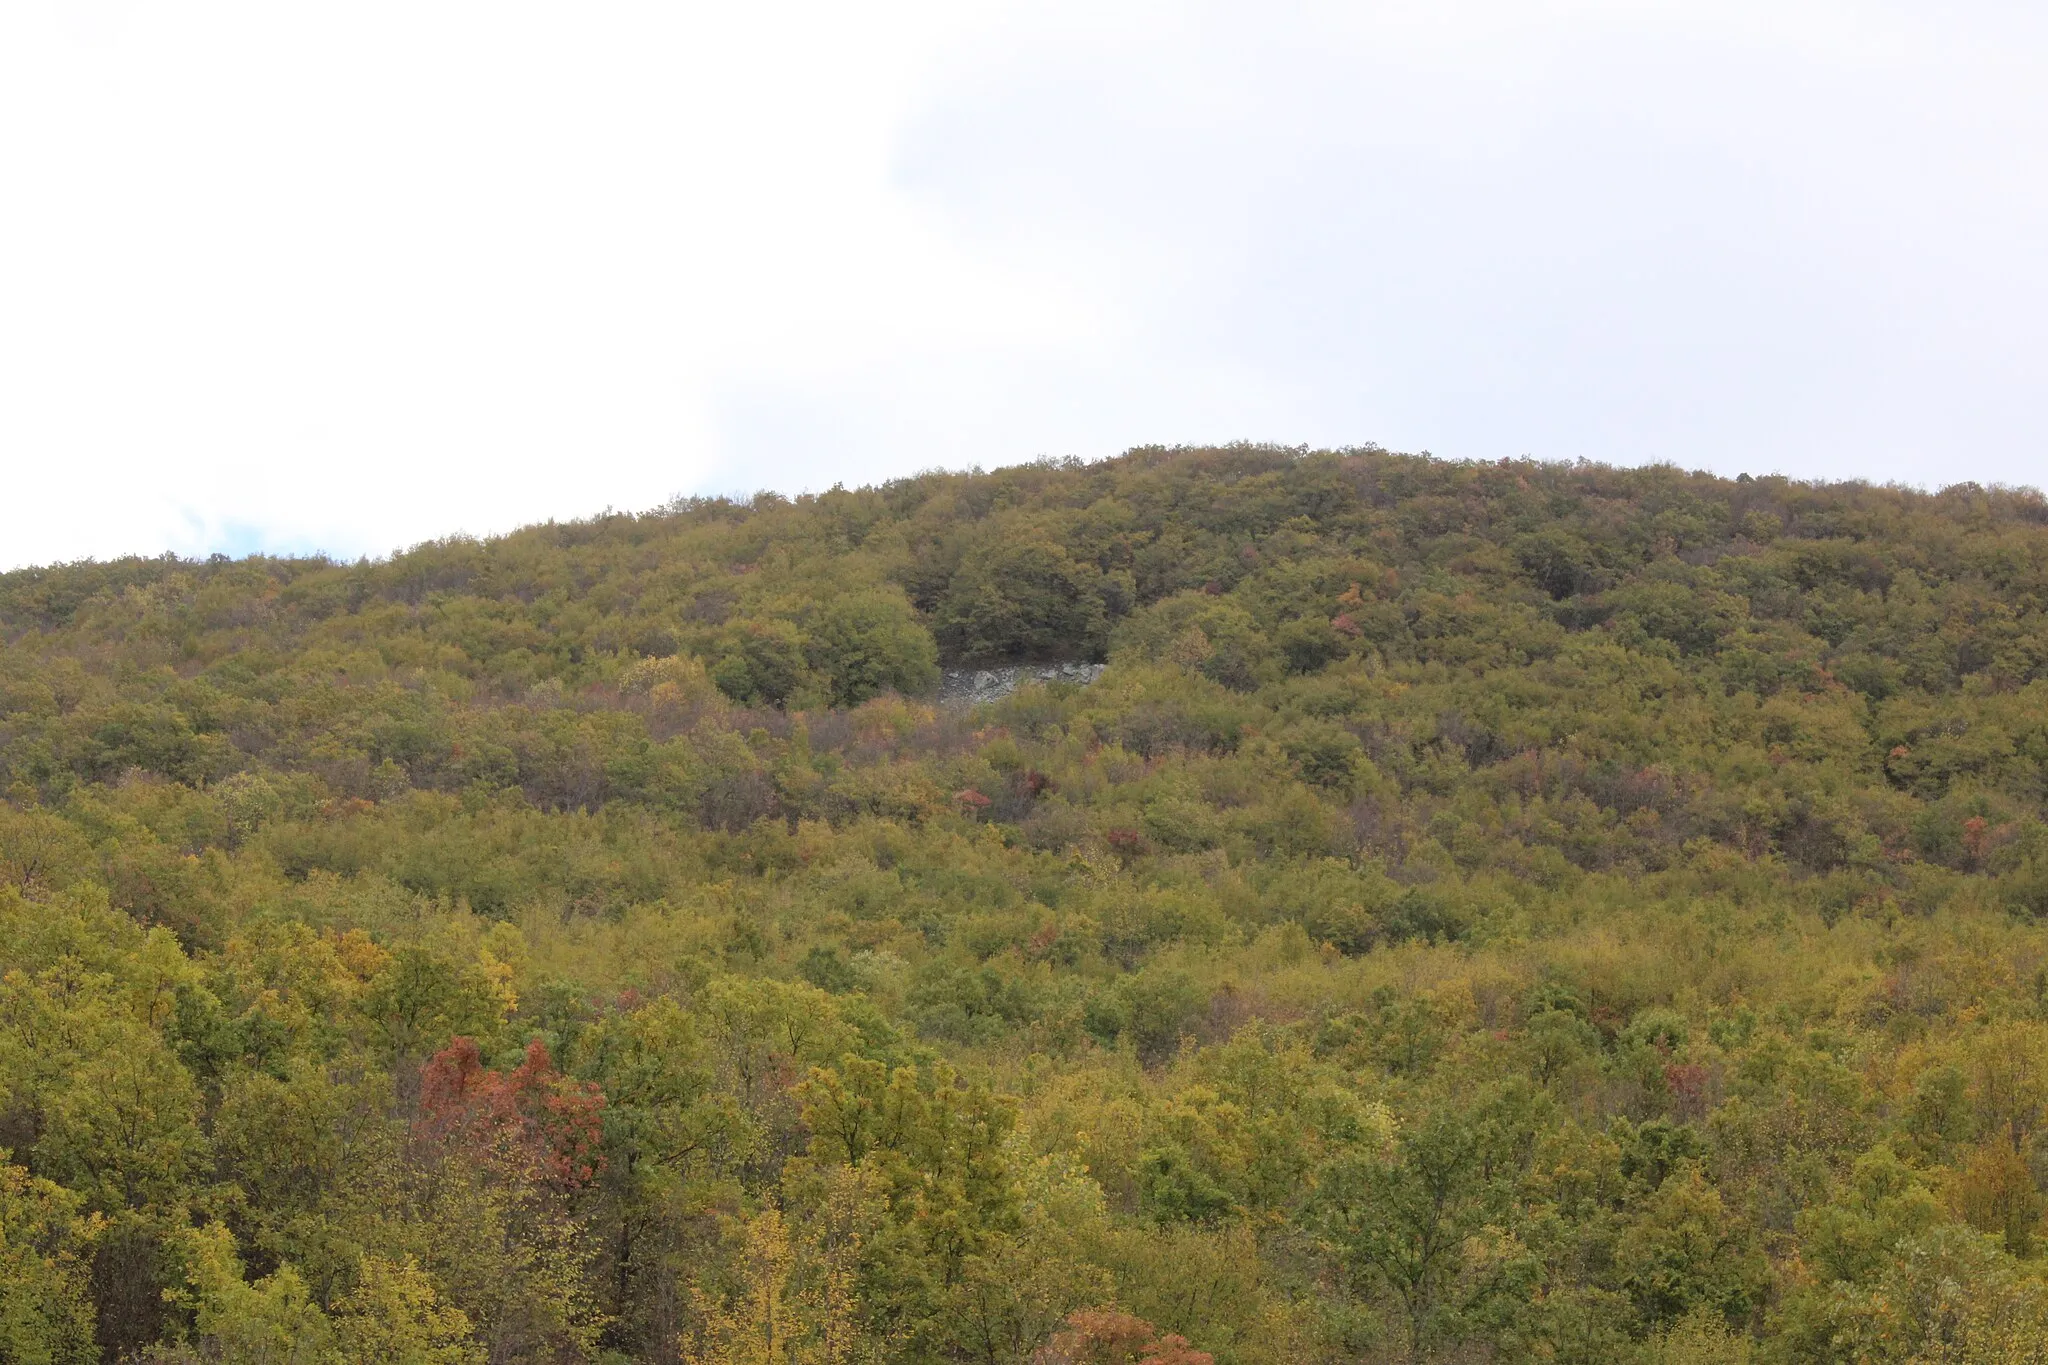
pixel 1513 912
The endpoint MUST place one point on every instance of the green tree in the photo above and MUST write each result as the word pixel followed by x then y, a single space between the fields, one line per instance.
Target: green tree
pixel 1019 599
pixel 1431 1222
pixel 866 643
pixel 46 1314
pixel 419 1000
pixel 1685 1250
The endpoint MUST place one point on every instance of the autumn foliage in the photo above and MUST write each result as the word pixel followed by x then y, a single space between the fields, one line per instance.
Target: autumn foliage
pixel 531 1122
pixel 1504 912
pixel 1104 1336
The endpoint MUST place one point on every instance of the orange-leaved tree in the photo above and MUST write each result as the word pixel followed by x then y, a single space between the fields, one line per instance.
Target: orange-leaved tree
pixel 1105 1336
pixel 532 1122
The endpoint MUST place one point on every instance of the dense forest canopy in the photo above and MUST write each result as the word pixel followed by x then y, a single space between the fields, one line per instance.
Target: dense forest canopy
pixel 1518 912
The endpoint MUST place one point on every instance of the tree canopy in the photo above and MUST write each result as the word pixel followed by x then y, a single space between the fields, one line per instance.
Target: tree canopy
pixel 1517 912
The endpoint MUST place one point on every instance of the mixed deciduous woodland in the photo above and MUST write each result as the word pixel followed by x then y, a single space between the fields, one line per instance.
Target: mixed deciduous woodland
pixel 1520 912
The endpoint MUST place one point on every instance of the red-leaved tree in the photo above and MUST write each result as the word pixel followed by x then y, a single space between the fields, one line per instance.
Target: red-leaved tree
pixel 531 1122
pixel 1104 1336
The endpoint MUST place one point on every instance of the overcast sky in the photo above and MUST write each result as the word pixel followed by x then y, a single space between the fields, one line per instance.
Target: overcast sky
pixel 299 276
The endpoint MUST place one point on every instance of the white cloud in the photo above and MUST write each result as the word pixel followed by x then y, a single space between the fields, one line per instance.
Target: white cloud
pixel 350 276
pixel 355 275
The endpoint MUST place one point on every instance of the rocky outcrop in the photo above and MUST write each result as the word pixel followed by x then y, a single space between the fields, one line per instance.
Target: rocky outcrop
pixel 972 686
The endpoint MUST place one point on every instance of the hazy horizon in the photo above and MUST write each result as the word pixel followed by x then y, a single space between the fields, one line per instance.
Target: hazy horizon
pixel 352 280
pixel 239 543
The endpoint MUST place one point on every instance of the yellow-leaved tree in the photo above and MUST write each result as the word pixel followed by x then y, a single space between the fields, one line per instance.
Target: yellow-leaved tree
pixel 791 1298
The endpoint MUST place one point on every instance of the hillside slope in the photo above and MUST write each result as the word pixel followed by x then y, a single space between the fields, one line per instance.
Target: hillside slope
pixel 1494 912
